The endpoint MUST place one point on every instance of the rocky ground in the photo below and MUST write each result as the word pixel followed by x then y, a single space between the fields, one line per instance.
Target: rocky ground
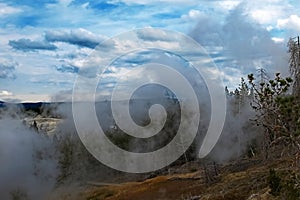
pixel 43 124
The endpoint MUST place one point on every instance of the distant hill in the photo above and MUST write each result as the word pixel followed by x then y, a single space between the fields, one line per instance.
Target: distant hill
pixel 33 106
pixel 26 106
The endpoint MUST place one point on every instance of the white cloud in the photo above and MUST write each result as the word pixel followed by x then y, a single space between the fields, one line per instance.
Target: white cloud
pixel 186 2
pixel 65 2
pixel 269 28
pixel 292 23
pixel 8 10
pixel 266 15
pixel 245 43
pixel 267 12
pixel 64 21
pixel 33 97
pixel 150 34
pixel 192 15
pixel 7 69
pixel 22 98
pixel 229 5
pixel 5 93
pixel 278 40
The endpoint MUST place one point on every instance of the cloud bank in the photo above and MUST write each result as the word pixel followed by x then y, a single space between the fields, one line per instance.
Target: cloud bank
pixel 7 69
pixel 81 37
pixel 30 45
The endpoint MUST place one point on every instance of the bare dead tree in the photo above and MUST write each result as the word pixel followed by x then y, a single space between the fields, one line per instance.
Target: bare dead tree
pixel 211 172
pixel 294 63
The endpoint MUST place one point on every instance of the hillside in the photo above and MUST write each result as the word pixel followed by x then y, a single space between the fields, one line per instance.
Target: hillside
pixel 245 179
pixel 252 173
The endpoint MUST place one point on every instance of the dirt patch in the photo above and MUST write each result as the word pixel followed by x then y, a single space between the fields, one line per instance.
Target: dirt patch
pixel 236 181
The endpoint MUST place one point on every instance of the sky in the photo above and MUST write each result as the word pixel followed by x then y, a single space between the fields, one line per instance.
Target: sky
pixel 43 44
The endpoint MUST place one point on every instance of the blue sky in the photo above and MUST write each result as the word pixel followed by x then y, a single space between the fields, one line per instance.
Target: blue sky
pixel 43 43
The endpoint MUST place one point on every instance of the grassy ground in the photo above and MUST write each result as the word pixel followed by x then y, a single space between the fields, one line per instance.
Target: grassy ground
pixel 245 179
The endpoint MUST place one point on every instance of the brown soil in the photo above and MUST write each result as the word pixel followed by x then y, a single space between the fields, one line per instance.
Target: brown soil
pixel 245 179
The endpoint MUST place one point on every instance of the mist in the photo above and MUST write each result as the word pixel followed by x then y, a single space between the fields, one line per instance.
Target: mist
pixel 28 160
pixel 242 44
pixel 243 47
pixel 33 162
